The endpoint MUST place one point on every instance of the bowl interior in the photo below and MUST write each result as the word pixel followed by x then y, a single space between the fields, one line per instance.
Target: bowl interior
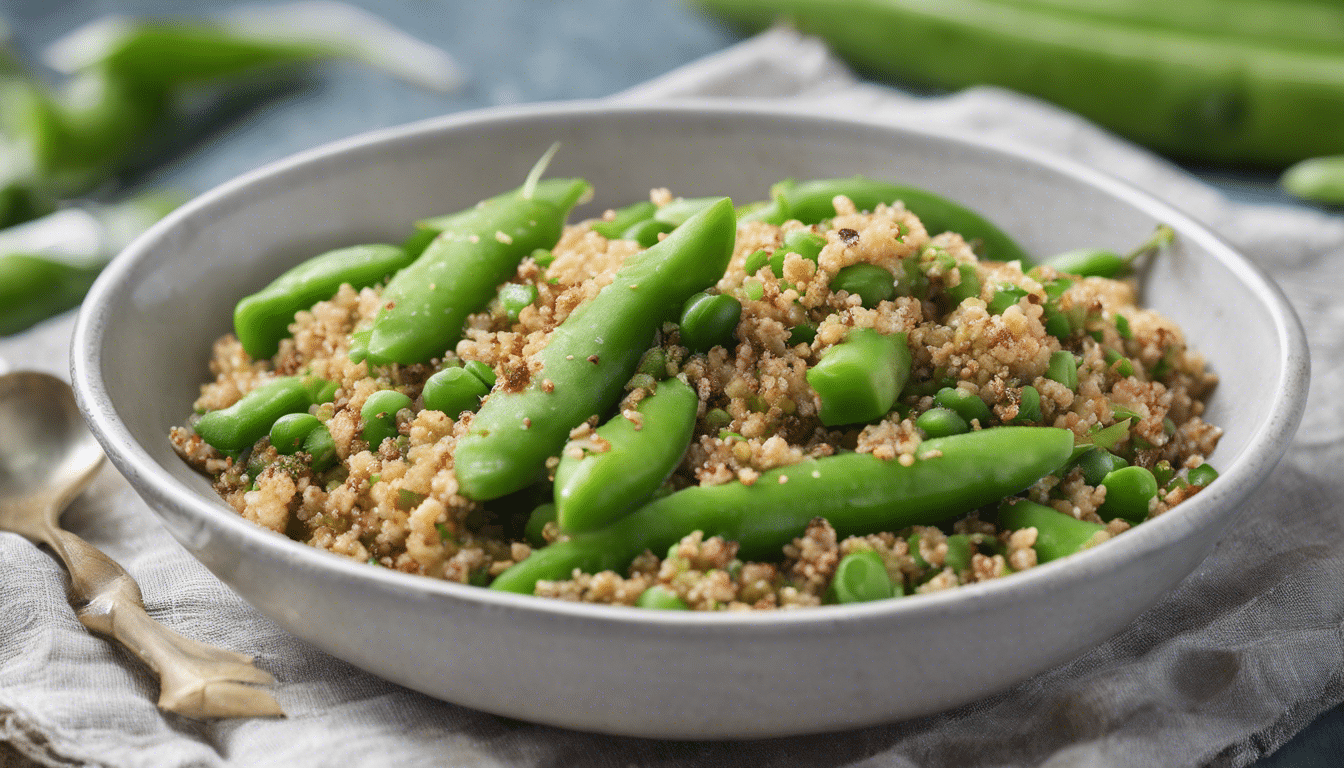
pixel 144 339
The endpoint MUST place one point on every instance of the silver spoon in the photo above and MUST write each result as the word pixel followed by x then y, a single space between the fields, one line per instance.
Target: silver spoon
pixel 47 457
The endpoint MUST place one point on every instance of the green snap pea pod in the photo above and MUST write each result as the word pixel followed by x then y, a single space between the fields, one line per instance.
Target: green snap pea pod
pixel 860 378
pixel 262 319
pixel 1063 368
pixel 1057 534
pixel 34 287
pixel 659 597
pixel 969 406
pixel 1128 493
pixel 871 283
pixel 1198 95
pixel 1317 178
pixel 625 218
pixel 590 356
pixel 941 422
pixel 860 577
pixel 708 321
pixel 454 390
pixel 243 423
pixel 810 202
pixel 379 416
pixel 428 301
pixel 593 489
pixel 1096 262
pixel 289 431
pixel 858 493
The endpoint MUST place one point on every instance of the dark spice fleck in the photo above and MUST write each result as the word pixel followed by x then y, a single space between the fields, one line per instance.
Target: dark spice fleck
pixel 848 235
pixel 593 359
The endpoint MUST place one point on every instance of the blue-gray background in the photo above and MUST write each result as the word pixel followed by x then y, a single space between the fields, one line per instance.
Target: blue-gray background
pixel 512 51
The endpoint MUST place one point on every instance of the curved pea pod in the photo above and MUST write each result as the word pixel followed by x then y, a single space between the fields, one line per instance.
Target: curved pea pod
pixel 680 211
pixel 1098 262
pixel 967 405
pixel 1057 534
pixel 858 493
pixel 289 431
pixel 810 202
pixel 320 445
pixel 246 421
pixel 1317 178
pixel 261 320
pixel 871 283
pixel 427 302
pixel 454 390
pixel 591 356
pixel 596 488
pixel 860 378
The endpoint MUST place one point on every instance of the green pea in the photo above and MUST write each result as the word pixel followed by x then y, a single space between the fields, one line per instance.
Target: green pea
pixel 1128 492
pixel 484 373
pixel 1029 408
pixel 646 232
pixel 1057 322
pixel 860 577
pixel 805 243
pixel 1063 368
pixel 753 289
pixel 959 552
pixel 755 261
pixel 514 297
pixel 1004 297
pixel 970 407
pixel 708 320
pixel 1122 327
pixel 320 445
pixel 871 283
pixel 1202 475
pixel 654 364
pixel 659 597
pixel 1163 473
pixel 454 390
pixel 1097 463
pixel 290 430
pixel 379 415
pixel 968 287
pixel 543 257
pixel 941 422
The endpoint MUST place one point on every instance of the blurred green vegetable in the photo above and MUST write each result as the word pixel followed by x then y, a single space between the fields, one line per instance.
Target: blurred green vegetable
pixel 1235 81
pixel 1319 178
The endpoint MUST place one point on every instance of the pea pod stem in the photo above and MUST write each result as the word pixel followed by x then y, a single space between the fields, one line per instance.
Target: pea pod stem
pixel 857 493
pixel 591 356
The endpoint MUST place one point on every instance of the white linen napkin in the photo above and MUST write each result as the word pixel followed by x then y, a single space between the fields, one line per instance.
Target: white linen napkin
pixel 1231 664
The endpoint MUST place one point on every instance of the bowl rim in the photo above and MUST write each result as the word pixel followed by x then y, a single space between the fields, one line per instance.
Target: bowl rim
pixel 1264 447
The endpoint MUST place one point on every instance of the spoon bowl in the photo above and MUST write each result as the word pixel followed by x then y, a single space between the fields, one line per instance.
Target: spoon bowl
pixel 47 454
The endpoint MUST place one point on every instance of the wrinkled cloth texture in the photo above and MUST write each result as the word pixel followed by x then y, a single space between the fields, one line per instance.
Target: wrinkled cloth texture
pixel 1242 655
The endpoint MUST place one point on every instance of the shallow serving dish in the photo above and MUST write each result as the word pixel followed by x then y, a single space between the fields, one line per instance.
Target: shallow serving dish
pixel 143 339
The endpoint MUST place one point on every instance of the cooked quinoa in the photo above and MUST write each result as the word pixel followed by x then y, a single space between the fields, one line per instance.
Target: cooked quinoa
pixel 398 505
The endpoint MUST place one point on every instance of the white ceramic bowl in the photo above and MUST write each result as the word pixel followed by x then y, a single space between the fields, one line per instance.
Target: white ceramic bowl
pixel 144 337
